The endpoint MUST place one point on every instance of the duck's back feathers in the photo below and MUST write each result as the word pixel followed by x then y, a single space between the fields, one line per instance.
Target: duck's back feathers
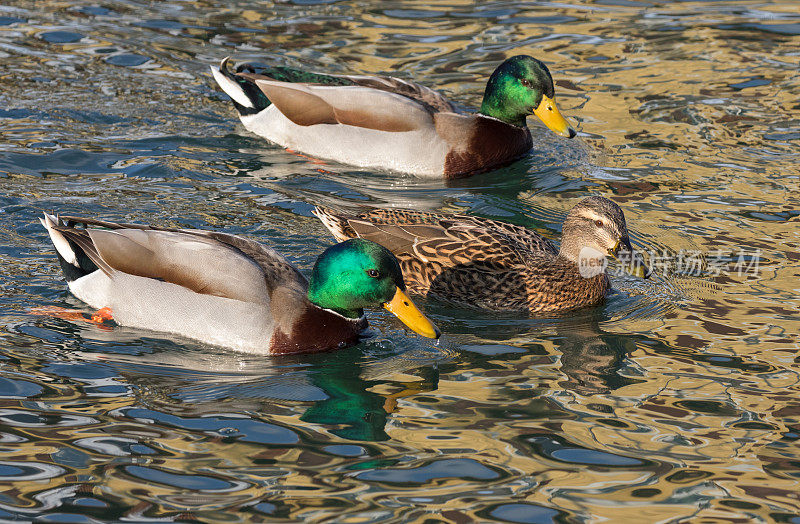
pixel 432 100
pixel 205 262
pixel 426 96
pixel 441 226
pixel 307 105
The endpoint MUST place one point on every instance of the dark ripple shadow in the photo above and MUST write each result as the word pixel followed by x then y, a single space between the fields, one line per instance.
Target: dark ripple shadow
pixel 525 513
pixel 434 470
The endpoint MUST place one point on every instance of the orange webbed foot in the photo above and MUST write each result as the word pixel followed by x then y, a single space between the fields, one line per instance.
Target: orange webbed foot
pixel 306 157
pixel 101 317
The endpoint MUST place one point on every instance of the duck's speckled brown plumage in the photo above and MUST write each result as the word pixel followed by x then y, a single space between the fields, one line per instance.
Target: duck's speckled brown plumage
pixel 474 261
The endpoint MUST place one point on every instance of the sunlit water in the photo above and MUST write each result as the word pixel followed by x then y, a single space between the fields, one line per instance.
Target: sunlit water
pixel 678 398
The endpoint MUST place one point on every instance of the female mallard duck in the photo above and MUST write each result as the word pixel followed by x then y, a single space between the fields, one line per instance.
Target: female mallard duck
pixel 488 264
pixel 227 290
pixel 385 122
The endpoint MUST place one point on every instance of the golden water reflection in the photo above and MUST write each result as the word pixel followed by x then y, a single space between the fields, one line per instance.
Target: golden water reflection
pixel 677 400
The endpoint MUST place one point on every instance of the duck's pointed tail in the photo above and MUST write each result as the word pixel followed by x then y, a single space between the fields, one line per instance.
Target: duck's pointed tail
pixel 337 223
pixel 74 261
pixel 247 97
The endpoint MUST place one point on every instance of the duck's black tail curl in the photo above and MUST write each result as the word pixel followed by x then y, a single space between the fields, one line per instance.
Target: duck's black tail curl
pixel 71 256
pixel 248 97
pixel 245 94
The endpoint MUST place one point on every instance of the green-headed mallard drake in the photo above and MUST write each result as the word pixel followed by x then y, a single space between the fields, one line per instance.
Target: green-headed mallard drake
pixel 385 122
pixel 488 264
pixel 227 290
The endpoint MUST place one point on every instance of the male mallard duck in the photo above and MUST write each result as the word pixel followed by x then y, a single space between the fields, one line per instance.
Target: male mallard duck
pixel 488 264
pixel 385 122
pixel 227 290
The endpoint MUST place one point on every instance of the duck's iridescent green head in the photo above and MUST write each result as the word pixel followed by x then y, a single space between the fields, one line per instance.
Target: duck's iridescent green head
pixel 522 86
pixel 358 274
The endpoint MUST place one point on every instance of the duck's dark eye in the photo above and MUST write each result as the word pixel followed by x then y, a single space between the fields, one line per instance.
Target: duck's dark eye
pixel 598 223
pixel 525 82
pixel 373 273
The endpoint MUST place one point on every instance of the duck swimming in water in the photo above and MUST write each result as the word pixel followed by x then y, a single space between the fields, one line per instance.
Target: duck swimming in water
pixel 482 263
pixel 389 123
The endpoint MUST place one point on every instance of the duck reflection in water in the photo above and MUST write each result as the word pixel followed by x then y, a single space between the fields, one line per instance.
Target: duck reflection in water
pixel 338 387
pixel 362 414
pixel 590 358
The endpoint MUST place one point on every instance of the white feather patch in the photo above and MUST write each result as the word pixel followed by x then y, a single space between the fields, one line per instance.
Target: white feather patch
pixel 162 306
pixel 59 242
pixel 231 88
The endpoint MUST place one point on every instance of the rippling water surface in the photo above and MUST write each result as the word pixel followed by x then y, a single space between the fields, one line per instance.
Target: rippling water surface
pixel 677 399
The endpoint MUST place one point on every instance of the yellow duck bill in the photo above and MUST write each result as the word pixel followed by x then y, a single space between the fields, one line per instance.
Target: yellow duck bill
pixel 549 114
pixel 403 308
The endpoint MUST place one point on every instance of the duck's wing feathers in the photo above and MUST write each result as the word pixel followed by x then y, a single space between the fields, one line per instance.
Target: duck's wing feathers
pixel 431 99
pixel 308 104
pixel 434 100
pixel 204 262
pixel 481 237
pixel 445 240
pixel 530 242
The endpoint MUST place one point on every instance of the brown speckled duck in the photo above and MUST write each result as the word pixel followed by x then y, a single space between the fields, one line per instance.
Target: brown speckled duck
pixel 227 290
pixel 385 122
pixel 477 262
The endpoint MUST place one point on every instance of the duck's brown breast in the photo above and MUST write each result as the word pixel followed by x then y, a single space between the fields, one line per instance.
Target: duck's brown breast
pixel 560 287
pixel 316 330
pixel 480 144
